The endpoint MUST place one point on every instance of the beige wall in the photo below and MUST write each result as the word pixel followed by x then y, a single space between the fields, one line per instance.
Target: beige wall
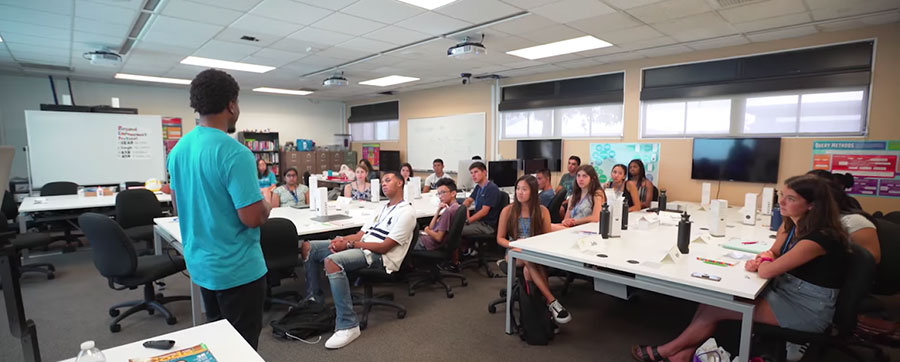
pixel 675 160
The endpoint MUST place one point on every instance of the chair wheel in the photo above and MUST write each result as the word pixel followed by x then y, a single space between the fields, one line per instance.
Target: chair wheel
pixel 449 295
pixel 502 293
pixel 151 311
pixel 464 283
pixel 411 293
pixel 51 276
pixel 115 328
pixel 492 309
pixel 51 268
pixel 113 312
pixel 401 314
pixel 159 295
pixel 171 321
pixel 363 325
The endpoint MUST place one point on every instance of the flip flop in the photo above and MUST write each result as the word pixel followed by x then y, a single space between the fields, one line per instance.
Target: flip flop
pixel 639 354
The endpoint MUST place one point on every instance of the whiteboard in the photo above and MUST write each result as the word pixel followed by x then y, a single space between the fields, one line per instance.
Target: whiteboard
pixel 93 148
pixel 450 138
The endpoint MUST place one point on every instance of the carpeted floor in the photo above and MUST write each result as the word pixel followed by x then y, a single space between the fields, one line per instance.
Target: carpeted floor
pixel 73 308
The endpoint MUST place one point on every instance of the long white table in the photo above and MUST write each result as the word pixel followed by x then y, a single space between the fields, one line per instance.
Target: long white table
pixel 223 341
pixel 634 260
pixel 35 204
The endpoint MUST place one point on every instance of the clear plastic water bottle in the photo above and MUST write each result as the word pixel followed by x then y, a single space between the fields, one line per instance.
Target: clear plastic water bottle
pixel 90 353
pixel 122 186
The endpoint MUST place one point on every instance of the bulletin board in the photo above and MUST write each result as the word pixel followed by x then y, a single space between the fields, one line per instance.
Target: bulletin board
pixel 873 164
pixel 606 155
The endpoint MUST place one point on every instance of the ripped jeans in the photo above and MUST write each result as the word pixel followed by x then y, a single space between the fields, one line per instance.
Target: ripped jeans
pixel 347 260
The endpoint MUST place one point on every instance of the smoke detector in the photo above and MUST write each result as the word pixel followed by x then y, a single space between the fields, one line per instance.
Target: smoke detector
pixel 104 58
pixel 336 80
pixel 467 49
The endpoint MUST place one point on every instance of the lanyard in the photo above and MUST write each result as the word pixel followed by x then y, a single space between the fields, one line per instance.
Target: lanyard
pixel 576 206
pixel 379 219
pixel 785 248
pixel 293 193
pixel 524 227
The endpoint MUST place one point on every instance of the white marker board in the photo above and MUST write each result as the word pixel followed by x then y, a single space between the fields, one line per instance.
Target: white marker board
pixel 93 148
pixel 450 138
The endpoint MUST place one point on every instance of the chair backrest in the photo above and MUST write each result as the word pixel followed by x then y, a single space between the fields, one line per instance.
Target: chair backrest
pixel 555 205
pixel 137 207
pixel 454 234
pixel 113 251
pixel 59 188
pixel 9 207
pixel 860 272
pixel 887 273
pixel 655 194
pixel 503 200
pixel 279 242
pixel 893 216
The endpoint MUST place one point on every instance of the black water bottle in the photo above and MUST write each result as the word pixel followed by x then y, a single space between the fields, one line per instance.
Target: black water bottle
pixel 604 221
pixel 625 213
pixel 662 200
pixel 684 233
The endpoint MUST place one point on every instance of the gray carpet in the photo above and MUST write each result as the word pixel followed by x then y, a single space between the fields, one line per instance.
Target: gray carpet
pixel 73 308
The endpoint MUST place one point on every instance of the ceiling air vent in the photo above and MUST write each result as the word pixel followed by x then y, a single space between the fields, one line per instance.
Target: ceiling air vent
pixel 732 3
pixel 38 66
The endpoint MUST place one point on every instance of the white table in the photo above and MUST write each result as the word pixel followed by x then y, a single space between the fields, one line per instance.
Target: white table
pixel 633 260
pixel 223 341
pixel 34 204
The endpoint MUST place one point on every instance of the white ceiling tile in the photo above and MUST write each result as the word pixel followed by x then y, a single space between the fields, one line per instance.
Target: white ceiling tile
pixel 601 52
pixel 299 68
pixel 385 11
pixel 27 50
pixel 99 39
pixel 664 50
pixel 343 53
pixel 35 30
pixel 234 35
pixel 577 63
pixel 279 54
pixel 719 42
pixel 320 36
pixel 52 6
pixel 263 25
pixel 329 4
pixel 317 60
pixel 141 56
pixel 671 9
pixel 782 34
pixel 552 34
pixel 366 45
pixel 884 18
pixel 643 32
pixel 433 23
pixel 105 13
pixel 776 22
pixel 696 27
pixel 762 10
pixel 200 12
pixel 127 4
pixel 524 24
pixel 190 71
pixel 571 10
pixel 396 35
pixel 42 58
pixel 820 4
pixel 647 43
pixel 224 50
pixel 31 39
pixel 163 48
pixel 35 17
pixel 477 11
pixel 297 46
pixel 272 62
pixel 600 25
pixel 240 5
pixel 628 4
pixel 347 24
pixel 100 27
pixel 290 11
pixel 850 8
pixel 180 32
pixel 510 43
pixel 529 4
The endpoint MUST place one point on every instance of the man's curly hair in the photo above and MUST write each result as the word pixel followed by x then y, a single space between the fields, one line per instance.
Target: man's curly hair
pixel 211 90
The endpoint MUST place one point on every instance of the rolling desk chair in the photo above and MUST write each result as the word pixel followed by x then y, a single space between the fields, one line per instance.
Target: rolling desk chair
pixel 432 258
pixel 135 211
pixel 278 238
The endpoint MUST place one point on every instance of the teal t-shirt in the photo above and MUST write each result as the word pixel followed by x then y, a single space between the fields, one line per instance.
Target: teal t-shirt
pixel 212 177
pixel 566 182
pixel 267 181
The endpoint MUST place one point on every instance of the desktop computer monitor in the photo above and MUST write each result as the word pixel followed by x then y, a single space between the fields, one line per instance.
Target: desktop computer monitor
pixel 503 173
pixel 463 178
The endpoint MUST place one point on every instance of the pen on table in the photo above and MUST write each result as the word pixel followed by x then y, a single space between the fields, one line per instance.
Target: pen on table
pixel 714 262
pixel 749 242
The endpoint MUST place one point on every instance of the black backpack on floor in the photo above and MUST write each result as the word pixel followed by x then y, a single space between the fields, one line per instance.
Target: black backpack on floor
pixel 307 320
pixel 534 324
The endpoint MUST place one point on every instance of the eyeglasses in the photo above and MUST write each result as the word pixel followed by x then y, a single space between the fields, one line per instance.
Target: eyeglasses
pixel 290 175
pixel 442 193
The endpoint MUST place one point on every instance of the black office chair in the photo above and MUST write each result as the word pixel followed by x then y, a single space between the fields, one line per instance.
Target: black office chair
pixel 371 276
pixel 279 241
pixel 130 184
pixel 481 244
pixel 59 188
pixel 555 204
pixel 432 258
pixel 135 211
pixel 893 216
pixel 27 241
pixel 655 194
pixel 115 258
pixel 887 273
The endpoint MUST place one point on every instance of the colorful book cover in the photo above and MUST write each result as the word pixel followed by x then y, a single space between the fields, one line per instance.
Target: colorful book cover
pixel 198 353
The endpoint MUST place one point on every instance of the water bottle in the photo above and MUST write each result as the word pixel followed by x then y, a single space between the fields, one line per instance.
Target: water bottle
pixel 775 221
pixel 625 213
pixel 604 221
pixel 662 200
pixel 90 353
pixel 684 232
pixel 122 186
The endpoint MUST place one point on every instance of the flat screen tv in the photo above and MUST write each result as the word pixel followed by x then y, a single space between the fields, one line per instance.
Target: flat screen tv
pixel 390 161
pixel 551 150
pixel 533 166
pixel 503 173
pixel 736 159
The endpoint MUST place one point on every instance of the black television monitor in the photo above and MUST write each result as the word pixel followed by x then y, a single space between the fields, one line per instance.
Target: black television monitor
pixel 503 173
pixel 736 159
pixel 550 150
pixel 389 161
pixel 533 166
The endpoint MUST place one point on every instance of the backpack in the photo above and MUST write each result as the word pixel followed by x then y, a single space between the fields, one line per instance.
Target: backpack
pixel 535 326
pixel 307 320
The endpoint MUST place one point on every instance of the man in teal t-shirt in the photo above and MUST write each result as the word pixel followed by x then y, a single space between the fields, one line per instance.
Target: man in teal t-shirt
pixel 220 208
pixel 567 179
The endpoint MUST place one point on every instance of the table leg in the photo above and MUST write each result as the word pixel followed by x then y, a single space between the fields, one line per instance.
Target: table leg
pixel 22 223
pixel 746 332
pixel 157 243
pixel 196 304
pixel 510 275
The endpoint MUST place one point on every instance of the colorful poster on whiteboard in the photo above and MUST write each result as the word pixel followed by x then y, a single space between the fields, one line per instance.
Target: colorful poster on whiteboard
pixel 371 151
pixel 873 164
pixel 606 155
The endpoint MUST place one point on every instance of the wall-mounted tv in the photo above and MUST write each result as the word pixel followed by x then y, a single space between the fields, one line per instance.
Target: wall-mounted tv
pixel 551 150
pixel 736 159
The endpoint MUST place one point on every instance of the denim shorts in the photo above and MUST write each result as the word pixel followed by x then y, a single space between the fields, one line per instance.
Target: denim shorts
pixel 801 305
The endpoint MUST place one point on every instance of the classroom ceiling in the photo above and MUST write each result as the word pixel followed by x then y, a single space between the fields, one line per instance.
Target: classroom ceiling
pixel 300 37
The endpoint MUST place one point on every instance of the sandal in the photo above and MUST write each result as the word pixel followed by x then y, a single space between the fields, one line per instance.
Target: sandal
pixel 639 354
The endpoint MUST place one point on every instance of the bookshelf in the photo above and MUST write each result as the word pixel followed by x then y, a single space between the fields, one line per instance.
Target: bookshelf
pixel 265 146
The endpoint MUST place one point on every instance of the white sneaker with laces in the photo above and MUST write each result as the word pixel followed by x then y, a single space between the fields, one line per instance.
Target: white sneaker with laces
pixel 560 314
pixel 342 338
pixel 795 351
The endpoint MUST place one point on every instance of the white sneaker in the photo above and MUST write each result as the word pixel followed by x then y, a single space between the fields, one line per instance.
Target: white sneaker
pixel 795 351
pixel 342 338
pixel 560 314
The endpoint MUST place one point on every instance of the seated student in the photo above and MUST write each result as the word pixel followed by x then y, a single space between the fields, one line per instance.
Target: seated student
pixel 482 221
pixel 433 236
pixel 292 193
pixel 545 192
pixel 585 201
pixel 359 189
pixel 858 224
pixel 637 176
pixel 406 171
pixel 565 182
pixel 381 243
pixel 526 217
pixel 372 174
pixel 807 264
pixel 431 181
pixel 266 179
pixel 620 186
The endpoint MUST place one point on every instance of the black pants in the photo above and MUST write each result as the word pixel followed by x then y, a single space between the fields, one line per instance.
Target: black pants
pixel 242 306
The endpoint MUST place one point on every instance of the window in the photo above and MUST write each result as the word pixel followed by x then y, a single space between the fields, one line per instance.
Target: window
pixel 524 124
pixel 375 131
pixel 603 120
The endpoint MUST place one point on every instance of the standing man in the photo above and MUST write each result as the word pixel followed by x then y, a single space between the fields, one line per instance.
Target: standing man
pixel 545 192
pixel 431 181
pixel 565 182
pixel 220 208
pixel 485 196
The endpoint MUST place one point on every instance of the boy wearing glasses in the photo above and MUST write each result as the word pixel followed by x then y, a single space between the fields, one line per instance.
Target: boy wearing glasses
pixel 433 235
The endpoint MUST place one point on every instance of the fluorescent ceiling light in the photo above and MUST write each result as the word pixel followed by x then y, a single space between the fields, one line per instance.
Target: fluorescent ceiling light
pixel 147 78
pixel 1 40
pixel 282 91
pixel 389 80
pixel 222 64
pixel 559 48
pixel 428 4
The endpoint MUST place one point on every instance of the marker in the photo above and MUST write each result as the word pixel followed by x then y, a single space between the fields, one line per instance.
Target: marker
pixel 749 242
pixel 714 262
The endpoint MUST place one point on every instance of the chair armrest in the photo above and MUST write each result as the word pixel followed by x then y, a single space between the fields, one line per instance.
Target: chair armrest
pixel 7 235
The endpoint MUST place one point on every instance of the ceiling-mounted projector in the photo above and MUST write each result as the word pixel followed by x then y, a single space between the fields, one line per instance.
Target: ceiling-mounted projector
pixel 103 58
pixel 336 80
pixel 467 49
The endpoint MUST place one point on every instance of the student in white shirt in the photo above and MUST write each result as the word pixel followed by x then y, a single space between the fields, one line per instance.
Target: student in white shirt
pixel 381 243
pixel 431 181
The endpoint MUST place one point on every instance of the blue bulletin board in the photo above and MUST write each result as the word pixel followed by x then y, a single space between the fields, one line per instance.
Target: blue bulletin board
pixel 605 155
